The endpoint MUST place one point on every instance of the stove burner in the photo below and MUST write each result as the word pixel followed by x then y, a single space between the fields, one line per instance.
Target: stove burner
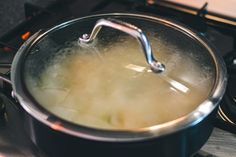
pixel 227 109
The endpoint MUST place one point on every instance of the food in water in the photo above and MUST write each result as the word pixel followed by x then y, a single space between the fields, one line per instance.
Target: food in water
pixel 112 87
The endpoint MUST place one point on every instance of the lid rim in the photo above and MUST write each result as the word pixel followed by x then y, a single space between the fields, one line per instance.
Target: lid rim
pixel 156 131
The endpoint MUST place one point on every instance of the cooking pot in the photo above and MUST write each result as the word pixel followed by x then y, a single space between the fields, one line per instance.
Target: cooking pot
pixel 155 56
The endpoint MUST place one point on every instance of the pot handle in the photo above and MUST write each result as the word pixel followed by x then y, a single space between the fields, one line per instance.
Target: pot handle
pixel 130 29
pixel 5 78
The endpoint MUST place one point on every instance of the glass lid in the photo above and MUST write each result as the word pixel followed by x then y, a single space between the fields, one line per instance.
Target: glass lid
pixel 109 82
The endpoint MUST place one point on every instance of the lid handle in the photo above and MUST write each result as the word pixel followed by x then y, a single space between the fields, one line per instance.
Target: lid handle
pixel 130 29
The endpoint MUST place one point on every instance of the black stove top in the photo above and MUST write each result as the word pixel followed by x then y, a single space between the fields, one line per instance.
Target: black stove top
pixel 45 14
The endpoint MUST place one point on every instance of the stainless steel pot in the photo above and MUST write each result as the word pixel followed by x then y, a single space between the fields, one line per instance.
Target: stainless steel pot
pixel 60 137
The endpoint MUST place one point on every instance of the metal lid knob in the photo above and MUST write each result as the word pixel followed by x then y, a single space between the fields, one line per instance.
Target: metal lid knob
pixel 132 30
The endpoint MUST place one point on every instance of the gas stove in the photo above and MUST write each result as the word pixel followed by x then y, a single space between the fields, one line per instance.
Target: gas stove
pixel 218 27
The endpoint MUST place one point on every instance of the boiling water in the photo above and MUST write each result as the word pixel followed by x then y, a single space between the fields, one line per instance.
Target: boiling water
pixel 112 87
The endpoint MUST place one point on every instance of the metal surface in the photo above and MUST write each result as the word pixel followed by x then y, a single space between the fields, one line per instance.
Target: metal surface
pixel 179 144
pixel 190 120
pixel 130 29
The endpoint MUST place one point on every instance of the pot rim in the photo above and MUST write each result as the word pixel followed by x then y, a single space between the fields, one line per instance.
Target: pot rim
pixel 56 123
